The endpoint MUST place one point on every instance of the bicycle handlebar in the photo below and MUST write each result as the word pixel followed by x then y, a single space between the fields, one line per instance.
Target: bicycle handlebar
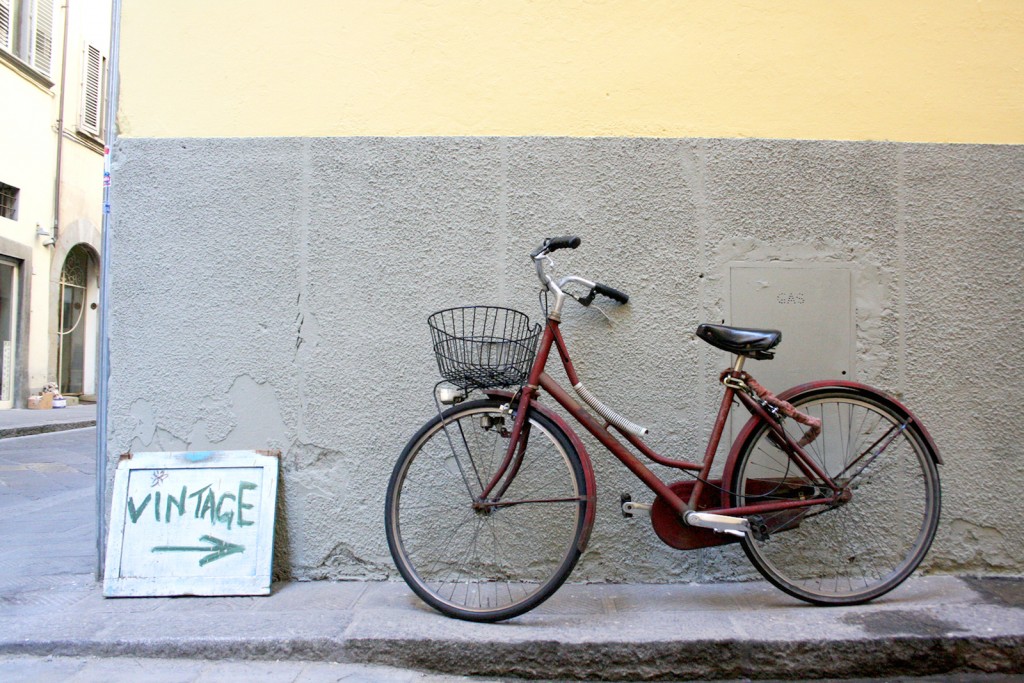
pixel 551 244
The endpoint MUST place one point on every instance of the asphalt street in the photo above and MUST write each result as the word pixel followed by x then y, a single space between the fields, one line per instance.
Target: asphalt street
pixel 47 509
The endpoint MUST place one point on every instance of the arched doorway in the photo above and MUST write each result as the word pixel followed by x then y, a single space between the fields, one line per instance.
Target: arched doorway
pixel 76 322
pixel 9 297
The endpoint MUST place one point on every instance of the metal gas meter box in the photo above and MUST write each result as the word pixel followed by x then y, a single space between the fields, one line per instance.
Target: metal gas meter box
pixel 192 524
pixel 812 304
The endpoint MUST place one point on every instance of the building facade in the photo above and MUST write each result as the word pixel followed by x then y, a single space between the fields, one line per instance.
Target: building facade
pixel 294 193
pixel 53 71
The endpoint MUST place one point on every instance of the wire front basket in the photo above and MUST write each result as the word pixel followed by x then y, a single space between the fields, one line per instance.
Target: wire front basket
pixel 483 346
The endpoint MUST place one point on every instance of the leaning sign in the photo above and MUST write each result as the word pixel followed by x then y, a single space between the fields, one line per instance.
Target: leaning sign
pixel 192 524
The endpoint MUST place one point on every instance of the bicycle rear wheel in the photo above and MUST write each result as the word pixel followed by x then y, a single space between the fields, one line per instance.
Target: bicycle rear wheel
pixel 853 551
pixel 485 562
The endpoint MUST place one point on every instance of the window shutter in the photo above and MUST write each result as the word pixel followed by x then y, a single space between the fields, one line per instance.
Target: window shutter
pixel 92 81
pixel 42 36
pixel 5 25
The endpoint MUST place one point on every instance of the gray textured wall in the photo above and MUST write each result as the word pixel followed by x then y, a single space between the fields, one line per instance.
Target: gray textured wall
pixel 272 293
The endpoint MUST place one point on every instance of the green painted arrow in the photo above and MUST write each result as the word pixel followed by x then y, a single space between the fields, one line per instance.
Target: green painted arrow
pixel 218 550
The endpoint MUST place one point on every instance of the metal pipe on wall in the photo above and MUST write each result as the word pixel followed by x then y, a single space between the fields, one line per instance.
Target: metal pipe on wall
pixel 102 379
pixel 60 124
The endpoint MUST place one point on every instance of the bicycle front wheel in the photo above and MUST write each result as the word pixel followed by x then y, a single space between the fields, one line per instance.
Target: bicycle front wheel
pixel 852 551
pixel 485 560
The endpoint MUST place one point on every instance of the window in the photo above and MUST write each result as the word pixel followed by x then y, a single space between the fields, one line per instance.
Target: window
pixel 8 202
pixel 26 31
pixel 90 119
pixel 5 25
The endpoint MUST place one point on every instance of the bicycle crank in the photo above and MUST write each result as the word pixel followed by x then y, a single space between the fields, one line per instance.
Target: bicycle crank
pixel 723 524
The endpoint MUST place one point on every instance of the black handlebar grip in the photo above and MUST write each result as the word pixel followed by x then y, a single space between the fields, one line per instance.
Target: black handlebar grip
pixel 567 242
pixel 555 243
pixel 611 293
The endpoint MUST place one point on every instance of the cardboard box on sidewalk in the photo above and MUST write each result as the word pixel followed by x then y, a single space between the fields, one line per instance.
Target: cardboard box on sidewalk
pixel 43 402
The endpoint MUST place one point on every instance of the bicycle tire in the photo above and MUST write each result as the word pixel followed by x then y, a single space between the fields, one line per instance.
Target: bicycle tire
pixel 485 564
pixel 859 550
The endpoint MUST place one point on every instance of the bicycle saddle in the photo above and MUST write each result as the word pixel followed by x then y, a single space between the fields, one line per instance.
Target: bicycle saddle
pixel 756 344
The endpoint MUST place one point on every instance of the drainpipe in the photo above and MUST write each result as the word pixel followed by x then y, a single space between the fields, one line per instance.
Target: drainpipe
pixel 103 375
pixel 60 123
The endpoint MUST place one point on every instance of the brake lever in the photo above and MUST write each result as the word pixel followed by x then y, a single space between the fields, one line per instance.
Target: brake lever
pixel 589 299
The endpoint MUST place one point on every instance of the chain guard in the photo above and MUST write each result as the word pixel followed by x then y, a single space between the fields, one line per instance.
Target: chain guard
pixel 670 528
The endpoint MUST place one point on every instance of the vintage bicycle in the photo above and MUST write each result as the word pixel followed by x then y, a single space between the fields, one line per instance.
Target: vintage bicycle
pixel 831 487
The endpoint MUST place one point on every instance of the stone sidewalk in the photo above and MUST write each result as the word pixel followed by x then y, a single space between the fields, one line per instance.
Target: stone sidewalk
pixel 50 604
pixel 613 632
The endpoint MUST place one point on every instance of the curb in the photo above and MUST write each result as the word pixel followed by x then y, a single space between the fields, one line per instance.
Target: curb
pixel 611 661
pixel 700 660
pixel 30 430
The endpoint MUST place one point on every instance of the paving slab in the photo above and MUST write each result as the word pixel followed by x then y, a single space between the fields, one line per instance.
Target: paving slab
pixel 105 670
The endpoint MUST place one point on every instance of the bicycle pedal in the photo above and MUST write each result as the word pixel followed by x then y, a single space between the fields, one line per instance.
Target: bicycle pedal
pixel 758 527
pixel 629 508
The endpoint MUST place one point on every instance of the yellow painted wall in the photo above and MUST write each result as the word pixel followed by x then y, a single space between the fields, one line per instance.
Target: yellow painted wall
pixel 907 70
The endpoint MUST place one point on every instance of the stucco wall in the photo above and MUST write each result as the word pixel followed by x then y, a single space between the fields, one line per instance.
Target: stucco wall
pixel 273 292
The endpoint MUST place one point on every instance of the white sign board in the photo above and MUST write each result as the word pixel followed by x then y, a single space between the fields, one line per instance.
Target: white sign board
pixel 192 524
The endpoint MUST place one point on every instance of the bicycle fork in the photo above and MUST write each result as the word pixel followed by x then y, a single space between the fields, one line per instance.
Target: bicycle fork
pixel 519 436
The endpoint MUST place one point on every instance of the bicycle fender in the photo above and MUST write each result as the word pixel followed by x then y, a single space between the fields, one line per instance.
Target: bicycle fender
pixel 588 468
pixel 791 393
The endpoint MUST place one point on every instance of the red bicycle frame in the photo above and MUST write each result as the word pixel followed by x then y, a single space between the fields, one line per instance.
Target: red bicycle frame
pixel 539 379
